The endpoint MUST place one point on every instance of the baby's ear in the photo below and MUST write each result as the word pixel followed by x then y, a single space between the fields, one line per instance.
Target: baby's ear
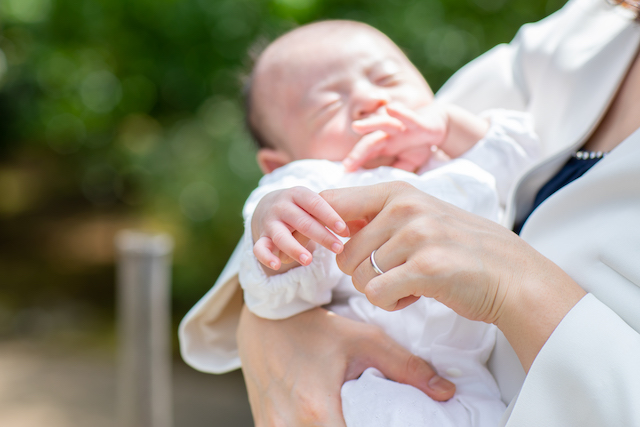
pixel 270 159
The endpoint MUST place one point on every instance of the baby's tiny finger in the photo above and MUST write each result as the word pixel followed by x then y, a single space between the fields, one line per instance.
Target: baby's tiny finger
pixel 283 240
pixel 310 227
pixel 413 159
pixel 384 123
pixel 263 250
pixel 284 258
pixel 403 114
pixel 319 209
pixel 369 147
pixel 301 238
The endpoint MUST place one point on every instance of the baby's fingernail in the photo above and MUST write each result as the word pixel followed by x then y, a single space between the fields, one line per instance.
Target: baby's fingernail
pixel 303 259
pixel 347 163
pixel 339 226
pixel 272 264
pixel 336 247
pixel 440 385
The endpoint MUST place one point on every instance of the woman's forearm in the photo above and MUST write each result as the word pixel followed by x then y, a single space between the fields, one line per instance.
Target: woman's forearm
pixel 533 310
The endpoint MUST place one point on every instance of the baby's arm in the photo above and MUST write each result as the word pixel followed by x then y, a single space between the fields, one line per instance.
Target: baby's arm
pixel 508 149
pixel 274 214
pixel 503 142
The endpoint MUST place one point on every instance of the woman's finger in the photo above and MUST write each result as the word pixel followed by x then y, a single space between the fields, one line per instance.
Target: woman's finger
pixel 389 289
pixel 386 257
pixel 365 203
pixel 398 364
pixel 392 289
pixel 355 259
pixel 404 367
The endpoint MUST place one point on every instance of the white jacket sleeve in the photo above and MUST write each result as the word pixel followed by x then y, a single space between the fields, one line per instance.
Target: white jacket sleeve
pixel 301 288
pixel 509 148
pixel 585 375
pixel 588 371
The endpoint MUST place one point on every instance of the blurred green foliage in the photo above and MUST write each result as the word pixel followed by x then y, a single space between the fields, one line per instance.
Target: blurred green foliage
pixel 129 112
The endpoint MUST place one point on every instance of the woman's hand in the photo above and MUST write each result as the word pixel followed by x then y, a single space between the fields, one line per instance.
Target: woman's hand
pixel 294 368
pixel 476 267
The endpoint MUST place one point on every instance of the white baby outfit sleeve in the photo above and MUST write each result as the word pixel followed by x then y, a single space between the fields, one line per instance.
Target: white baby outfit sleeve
pixel 301 288
pixel 508 149
pixel 289 293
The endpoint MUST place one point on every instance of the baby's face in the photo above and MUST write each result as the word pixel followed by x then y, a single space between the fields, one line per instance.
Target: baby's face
pixel 325 86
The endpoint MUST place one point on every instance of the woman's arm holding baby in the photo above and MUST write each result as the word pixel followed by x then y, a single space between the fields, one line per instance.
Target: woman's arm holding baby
pixel 310 356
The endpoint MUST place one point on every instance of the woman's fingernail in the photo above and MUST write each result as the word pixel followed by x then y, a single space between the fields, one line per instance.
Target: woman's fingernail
pixel 336 247
pixel 340 225
pixel 439 384
pixel 303 259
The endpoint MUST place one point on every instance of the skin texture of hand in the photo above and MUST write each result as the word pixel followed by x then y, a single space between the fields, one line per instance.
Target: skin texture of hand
pixel 411 136
pixel 285 221
pixel 476 267
pixel 294 368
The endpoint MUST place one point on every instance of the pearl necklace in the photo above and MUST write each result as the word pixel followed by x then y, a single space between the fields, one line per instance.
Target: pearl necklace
pixel 586 155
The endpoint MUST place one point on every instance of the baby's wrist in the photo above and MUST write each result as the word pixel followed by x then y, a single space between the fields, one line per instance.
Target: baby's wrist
pixel 464 130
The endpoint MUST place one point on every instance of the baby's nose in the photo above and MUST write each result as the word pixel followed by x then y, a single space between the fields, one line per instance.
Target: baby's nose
pixel 368 101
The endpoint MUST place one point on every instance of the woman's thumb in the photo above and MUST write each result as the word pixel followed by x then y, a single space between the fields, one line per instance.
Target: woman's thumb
pixel 402 366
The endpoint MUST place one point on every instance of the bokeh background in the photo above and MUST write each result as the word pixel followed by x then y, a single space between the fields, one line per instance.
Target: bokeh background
pixel 128 114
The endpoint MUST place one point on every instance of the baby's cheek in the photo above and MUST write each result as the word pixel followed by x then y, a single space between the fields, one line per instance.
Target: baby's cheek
pixel 334 145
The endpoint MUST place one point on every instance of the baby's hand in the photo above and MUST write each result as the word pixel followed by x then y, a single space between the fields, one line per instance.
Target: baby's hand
pixel 409 136
pixel 286 220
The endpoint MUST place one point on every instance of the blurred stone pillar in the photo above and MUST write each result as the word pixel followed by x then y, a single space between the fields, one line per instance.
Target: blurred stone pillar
pixel 144 329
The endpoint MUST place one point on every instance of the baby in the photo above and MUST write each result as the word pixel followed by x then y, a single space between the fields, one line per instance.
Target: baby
pixel 341 90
